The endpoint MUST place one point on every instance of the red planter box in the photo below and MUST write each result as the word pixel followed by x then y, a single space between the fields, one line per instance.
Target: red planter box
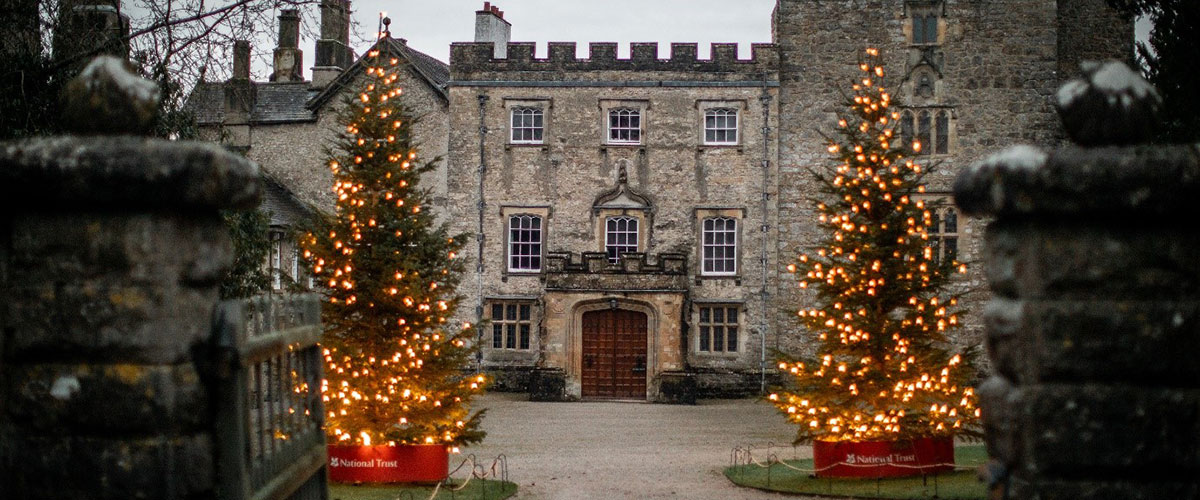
pixel 388 464
pixel 871 459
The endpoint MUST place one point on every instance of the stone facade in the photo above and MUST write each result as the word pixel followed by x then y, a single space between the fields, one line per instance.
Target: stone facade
pixel 669 180
pixel 982 72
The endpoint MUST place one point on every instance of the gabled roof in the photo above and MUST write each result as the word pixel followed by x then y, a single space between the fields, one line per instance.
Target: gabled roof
pixel 434 72
pixel 288 102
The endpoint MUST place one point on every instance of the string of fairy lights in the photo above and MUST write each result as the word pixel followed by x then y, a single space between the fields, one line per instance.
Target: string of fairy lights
pixel 883 371
pixel 393 365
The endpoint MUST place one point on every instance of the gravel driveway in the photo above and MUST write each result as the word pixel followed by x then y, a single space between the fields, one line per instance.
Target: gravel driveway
pixel 593 451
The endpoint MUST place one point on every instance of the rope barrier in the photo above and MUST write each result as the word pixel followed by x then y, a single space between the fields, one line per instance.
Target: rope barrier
pixel 478 471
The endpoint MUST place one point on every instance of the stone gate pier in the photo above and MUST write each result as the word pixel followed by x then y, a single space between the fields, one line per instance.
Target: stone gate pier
pixel 111 250
pixel 1093 257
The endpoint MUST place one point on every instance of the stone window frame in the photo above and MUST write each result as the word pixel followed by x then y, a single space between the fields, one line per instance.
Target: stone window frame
pixel 704 106
pixel 608 106
pixel 643 219
pixel 943 209
pixel 700 339
pixel 543 104
pixel 918 15
pixel 522 341
pixel 611 233
pixel 700 214
pixel 942 135
pixel 507 212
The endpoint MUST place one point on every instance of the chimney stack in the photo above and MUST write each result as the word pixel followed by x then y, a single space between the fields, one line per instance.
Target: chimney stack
pixel 333 49
pixel 241 60
pixel 490 26
pixel 289 59
pixel 239 100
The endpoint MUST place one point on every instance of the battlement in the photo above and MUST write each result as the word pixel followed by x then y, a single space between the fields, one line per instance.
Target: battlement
pixel 475 61
pixel 632 271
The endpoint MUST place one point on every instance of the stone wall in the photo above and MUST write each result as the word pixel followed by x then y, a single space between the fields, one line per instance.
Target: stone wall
pixel 994 67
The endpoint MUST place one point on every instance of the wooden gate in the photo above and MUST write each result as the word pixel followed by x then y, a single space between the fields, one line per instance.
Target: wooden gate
pixel 614 354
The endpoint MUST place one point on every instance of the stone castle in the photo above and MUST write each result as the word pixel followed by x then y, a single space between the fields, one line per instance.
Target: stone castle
pixel 633 218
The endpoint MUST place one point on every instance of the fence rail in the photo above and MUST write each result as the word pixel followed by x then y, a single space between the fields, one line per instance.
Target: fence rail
pixel 270 442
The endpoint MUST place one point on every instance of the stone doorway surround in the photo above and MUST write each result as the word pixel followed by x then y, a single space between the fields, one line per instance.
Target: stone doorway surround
pixel 657 290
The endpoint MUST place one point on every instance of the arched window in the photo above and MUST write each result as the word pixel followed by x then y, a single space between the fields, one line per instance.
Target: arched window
pixel 625 126
pixel 924 125
pixel 527 125
pixel 719 246
pixel 620 236
pixel 942 128
pixel 720 126
pixel 906 129
pixel 524 243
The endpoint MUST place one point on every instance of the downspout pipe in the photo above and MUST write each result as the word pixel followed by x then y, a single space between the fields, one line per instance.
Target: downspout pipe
pixel 765 228
pixel 481 205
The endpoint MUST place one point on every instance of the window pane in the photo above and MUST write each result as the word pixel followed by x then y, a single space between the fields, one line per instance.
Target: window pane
pixel 718 315
pixel 718 338
pixel 512 312
pixel 704 314
pixel 524 337
pixel 731 315
pixel 731 339
pixel 497 335
pixel 923 125
pixel 511 338
pixel 951 247
pixel 931 29
pixel 497 311
pixel 524 312
pixel 943 133
pixel 951 221
pixel 906 129
pixel 703 337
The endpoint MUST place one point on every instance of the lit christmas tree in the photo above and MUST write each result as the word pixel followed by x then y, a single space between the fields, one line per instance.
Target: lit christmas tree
pixel 884 370
pixel 394 362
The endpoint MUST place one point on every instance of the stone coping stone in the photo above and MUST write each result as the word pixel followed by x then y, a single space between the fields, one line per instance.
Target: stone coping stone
pixel 125 172
pixel 1142 180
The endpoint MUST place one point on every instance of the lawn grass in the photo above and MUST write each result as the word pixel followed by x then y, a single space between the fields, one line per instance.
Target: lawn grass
pixel 477 489
pixel 958 485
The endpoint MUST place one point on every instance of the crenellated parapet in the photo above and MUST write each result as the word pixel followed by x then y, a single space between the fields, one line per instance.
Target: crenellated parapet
pixel 632 271
pixel 475 62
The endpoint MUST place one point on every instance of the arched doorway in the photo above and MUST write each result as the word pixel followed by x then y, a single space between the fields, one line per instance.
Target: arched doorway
pixel 614 354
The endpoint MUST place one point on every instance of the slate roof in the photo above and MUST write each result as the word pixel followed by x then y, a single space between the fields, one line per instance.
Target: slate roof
pixel 274 102
pixel 434 72
pixel 288 102
pixel 282 204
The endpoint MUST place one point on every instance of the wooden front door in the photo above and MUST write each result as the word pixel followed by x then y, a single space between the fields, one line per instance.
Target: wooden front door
pixel 614 354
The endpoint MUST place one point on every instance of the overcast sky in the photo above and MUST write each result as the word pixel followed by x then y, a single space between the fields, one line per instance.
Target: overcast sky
pixel 430 26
